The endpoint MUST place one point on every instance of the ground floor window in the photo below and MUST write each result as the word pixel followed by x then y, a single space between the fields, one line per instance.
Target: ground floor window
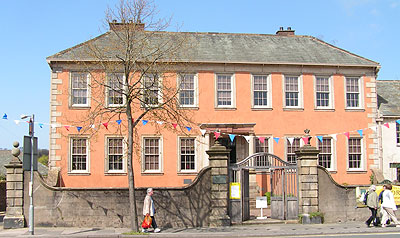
pixel 355 153
pixel 292 145
pixel 187 154
pixel 152 154
pixel 79 155
pixel 115 154
pixel 325 155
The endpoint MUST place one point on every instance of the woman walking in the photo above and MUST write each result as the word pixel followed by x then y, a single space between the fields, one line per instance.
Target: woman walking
pixel 389 206
pixel 148 209
pixel 372 204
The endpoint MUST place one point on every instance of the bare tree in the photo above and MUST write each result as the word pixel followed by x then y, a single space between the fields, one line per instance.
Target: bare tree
pixel 133 76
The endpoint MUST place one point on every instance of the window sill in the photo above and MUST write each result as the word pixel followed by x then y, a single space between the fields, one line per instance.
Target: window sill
pixel 225 109
pixel 79 173
pixel 182 173
pixel 356 171
pixel 324 109
pixel 115 173
pixel 189 108
pixel 332 171
pixel 293 109
pixel 152 173
pixel 354 110
pixel 79 107
pixel 261 109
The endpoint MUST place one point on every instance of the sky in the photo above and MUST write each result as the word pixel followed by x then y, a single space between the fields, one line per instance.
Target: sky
pixel 34 30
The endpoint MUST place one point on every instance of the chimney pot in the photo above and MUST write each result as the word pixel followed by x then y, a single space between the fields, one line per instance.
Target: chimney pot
pixel 289 28
pixel 281 28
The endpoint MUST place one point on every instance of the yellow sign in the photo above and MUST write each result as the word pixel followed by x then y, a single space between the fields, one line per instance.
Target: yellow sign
pixel 234 191
pixel 379 188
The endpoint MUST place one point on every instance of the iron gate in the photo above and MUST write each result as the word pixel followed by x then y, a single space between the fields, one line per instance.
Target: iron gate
pixel 283 186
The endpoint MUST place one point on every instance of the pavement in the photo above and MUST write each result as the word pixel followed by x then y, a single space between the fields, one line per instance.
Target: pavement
pixel 247 230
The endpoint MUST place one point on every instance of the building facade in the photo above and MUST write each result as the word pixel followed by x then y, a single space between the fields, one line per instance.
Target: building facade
pixel 254 92
pixel 389 128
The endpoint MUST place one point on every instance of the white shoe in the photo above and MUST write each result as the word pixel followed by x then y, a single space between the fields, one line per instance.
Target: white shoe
pixel 157 230
pixel 144 230
pixel 383 225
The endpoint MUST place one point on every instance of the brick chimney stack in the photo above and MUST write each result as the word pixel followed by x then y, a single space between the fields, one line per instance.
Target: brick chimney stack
pixel 287 32
pixel 119 26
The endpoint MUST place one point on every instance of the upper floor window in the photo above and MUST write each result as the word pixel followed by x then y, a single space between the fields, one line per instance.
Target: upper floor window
pixel 115 96
pixel 398 133
pixel 225 91
pixel 187 154
pixel 261 91
pixel 79 89
pixel 79 150
pixel 353 92
pixel 325 157
pixel 355 153
pixel 151 90
pixel 323 92
pixel 152 155
pixel 293 92
pixel 291 148
pixel 115 154
pixel 188 90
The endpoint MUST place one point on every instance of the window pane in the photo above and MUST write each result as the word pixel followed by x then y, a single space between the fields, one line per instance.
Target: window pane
pixel 354 153
pixel 115 153
pixel 151 154
pixel 260 90
pixel 292 91
pixel 291 149
pixel 325 155
pixel 187 153
pixel 115 88
pixel 78 154
pixel 79 88
pixel 187 87
pixel 352 92
pixel 224 90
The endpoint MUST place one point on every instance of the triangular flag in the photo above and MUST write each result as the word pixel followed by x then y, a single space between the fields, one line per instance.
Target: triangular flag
pixel 360 132
pixel 262 139
pixel 374 128
pixel 67 127
pixel 347 134
pixel 105 124
pixel 16 122
pixel 53 125
pixel 248 138
pixel 276 139
pixel 174 125
pixel 203 132
pixel 92 126
pixel 305 139
pixel 5 116
pixel 320 138
pixel 290 139
pixel 386 124
pixel 79 128
pixel 217 134
pixel 119 122
pixel 398 121
pixel 41 125
pixel 232 137
pixel 160 122
pixel 144 122
pixel 334 137
pixel 188 128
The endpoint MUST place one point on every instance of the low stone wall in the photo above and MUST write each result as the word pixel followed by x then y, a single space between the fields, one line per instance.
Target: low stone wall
pixel 3 196
pixel 337 202
pixel 188 206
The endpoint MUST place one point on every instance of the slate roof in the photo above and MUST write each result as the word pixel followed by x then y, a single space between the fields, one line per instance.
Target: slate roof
pixel 235 48
pixel 5 158
pixel 389 97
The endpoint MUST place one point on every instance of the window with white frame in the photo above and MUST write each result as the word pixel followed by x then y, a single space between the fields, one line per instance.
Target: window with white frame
pixel 261 94
pixel 115 96
pixel 79 89
pixel 151 90
pixel 115 154
pixel 152 154
pixel 292 87
pixel 79 155
pixel 291 148
pixel 224 90
pixel 398 133
pixel 187 154
pixel 354 153
pixel 323 92
pixel 325 157
pixel 188 90
pixel 353 92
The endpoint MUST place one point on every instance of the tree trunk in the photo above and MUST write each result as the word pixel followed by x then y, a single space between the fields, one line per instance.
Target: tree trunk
pixel 131 175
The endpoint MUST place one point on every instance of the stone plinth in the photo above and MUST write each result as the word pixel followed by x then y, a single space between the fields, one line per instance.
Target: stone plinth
pixel 218 156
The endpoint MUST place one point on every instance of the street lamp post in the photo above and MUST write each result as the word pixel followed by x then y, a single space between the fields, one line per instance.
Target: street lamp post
pixel 31 208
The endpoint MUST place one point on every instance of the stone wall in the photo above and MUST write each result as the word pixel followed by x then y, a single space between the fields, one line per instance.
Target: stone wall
pixel 337 202
pixel 188 206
